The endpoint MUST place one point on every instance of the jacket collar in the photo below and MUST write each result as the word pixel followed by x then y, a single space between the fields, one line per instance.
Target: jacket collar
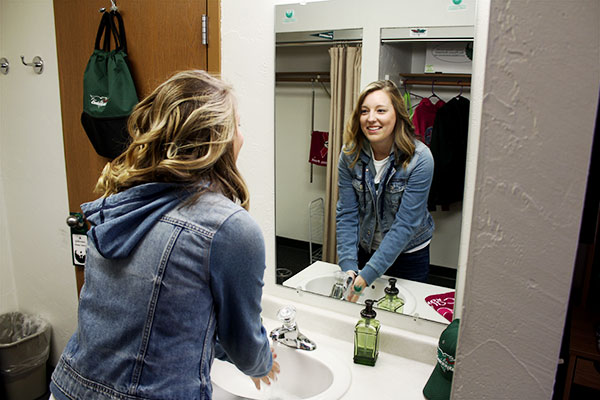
pixel 366 152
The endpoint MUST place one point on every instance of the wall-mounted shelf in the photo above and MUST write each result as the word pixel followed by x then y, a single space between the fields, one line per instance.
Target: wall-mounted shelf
pixel 436 79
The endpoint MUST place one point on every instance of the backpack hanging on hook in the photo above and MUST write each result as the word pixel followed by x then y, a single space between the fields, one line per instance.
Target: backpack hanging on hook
pixel 109 93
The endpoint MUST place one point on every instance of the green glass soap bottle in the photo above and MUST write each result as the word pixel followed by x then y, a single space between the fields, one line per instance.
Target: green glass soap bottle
pixel 366 336
pixel 391 301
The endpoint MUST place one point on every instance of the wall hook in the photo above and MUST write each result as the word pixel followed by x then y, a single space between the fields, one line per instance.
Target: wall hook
pixel 113 7
pixel 37 64
pixel 4 65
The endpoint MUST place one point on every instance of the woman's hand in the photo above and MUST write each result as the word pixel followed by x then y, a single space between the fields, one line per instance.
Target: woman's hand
pixel 271 376
pixel 357 289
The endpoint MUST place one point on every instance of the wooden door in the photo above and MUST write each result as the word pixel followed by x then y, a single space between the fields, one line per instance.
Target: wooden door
pixel 162 37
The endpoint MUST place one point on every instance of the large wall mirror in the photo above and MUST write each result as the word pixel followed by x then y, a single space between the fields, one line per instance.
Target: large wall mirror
pixel 321 64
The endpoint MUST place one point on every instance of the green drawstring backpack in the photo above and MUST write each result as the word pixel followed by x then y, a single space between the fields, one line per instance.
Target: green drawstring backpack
pixel 109 93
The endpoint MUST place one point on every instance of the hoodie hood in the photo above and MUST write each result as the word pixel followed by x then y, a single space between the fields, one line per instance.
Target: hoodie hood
pixel 120 221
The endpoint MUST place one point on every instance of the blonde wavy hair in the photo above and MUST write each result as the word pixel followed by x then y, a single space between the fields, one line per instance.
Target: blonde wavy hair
pixel 404 131
pixel 181 133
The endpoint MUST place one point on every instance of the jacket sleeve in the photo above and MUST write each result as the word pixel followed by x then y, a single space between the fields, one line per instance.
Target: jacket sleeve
pixel 407 220
pixel 237 264
pixel 346 219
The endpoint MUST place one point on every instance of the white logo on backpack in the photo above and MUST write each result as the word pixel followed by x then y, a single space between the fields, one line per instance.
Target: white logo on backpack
pixel 99 101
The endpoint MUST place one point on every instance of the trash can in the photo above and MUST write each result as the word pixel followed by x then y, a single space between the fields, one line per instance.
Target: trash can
pixel 24 350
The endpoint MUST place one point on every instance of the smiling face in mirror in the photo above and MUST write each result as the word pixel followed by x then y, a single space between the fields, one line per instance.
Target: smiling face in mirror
pixel 377 122
pixel 384 176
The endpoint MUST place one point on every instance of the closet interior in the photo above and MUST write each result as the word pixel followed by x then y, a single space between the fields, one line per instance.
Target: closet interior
pixel 302 111
pixel 432 66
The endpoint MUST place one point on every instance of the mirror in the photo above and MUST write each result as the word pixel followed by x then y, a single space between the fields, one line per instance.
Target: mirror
pixel 429 61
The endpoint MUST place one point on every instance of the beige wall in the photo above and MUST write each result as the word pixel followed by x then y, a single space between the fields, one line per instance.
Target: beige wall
pixel 35 271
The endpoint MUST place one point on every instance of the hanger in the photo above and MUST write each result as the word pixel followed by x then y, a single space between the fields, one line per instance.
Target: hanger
pixel 413 106
pixel 405 87
pixel 433 95
pixel 461 90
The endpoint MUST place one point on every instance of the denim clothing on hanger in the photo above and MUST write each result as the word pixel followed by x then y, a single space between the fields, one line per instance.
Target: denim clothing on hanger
pixel 164 281
pixel 400 207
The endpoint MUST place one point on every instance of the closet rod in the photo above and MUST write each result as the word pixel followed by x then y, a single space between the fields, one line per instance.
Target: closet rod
pixel 319 43
pixel 436 83
pixel 302 80
pixel 302 77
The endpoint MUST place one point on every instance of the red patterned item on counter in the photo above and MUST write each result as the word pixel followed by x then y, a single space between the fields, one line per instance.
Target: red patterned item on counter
pixel 443 304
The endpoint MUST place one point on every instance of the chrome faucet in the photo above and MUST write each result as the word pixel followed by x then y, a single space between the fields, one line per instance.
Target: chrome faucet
pixel 340 286
pixel 288 333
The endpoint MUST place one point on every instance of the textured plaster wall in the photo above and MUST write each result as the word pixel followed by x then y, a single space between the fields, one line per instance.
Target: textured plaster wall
pixel 540 94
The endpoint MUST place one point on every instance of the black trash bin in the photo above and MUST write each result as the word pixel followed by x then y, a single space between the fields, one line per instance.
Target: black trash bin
pixel 24 350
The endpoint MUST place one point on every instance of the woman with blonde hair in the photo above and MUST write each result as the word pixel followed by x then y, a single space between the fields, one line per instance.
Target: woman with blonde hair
pixel 385 174
pixel 174 268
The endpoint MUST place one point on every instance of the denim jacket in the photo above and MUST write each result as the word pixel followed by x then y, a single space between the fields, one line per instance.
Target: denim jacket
pixel 400 208
pixel 163 282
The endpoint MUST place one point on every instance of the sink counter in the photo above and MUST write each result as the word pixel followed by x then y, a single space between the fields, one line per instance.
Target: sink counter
pixel 417 291
pixel 405 361
pixel 392 377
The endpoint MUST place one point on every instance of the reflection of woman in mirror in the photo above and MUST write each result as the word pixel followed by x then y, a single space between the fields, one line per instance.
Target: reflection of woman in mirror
pixel 385 173
pixel 175 264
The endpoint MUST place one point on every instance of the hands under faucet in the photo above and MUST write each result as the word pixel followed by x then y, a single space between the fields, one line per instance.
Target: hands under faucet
pixel 271 376
pixel 356 287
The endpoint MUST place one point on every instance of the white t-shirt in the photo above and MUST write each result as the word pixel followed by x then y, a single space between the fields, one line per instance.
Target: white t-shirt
pixel 380 168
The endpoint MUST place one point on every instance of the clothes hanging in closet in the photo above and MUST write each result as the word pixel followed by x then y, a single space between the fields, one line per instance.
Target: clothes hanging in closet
pixel 318 148
pixel 424 117
pixel 411 111
pixel 449 149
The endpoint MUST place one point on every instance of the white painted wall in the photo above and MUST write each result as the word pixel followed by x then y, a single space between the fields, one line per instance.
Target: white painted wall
pixel 293 106
pixel 8 292
pixel 36 271
pixel 294 189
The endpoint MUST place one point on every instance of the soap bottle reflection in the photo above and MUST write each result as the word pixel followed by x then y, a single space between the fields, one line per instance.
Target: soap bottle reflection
pixel 391 301
pixel 366 336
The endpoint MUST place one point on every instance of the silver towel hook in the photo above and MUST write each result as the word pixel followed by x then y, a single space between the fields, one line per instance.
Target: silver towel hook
pixel 37 64
pixel 113 7
pixel 4 65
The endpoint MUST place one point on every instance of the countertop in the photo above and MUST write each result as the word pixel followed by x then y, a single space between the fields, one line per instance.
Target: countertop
pixel 417 289
pixel 393 377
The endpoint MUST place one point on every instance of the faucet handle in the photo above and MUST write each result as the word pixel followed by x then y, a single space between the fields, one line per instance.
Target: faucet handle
pixel 287 314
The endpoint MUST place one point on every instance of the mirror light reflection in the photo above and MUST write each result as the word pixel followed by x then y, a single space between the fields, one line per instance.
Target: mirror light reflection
pixel 319 74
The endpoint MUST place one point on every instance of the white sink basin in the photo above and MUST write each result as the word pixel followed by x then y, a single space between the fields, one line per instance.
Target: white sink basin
pixel 311 375
pixel 322 284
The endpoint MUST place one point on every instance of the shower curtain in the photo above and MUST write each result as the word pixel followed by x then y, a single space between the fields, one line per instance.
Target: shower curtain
pixel 345 88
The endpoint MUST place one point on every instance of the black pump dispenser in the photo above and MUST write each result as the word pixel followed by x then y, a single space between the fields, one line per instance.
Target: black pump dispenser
pixel 392 289
pixel 368 311
pixel 391 301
